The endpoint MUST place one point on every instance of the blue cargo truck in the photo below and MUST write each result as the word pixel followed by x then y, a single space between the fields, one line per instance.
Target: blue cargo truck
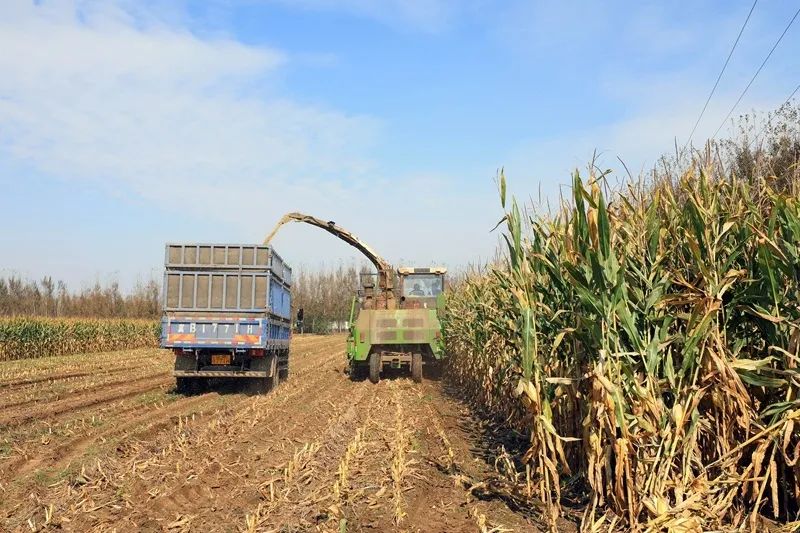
pixel 227 314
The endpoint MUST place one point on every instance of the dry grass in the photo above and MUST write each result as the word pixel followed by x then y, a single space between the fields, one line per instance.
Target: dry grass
pixel 650 346
pixel 401 466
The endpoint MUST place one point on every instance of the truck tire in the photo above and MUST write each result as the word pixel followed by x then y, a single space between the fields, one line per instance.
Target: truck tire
pixel 285 370
pixel 374 367
pixel 190 386
pixel 182 385
pixel 198 385
pixel 416 367
pixel 259 385
pixel 264 364
pixel 275 380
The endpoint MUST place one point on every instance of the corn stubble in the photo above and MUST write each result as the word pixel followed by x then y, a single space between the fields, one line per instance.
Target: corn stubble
pixel 650 346
pixel 31 337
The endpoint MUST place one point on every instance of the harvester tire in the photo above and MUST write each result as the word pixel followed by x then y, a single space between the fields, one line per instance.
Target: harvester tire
pixel 357 372
pixel 374 367
pixel 416 367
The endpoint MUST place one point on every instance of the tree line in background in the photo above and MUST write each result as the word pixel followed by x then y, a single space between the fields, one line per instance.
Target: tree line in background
pixel 324 295
pixel 49 298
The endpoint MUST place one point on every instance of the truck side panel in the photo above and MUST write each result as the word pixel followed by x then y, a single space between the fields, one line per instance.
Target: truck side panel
pixel 280 301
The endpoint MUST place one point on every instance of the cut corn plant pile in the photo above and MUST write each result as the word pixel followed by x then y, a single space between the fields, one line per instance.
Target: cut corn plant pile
pixel 650 346
pixel 30 337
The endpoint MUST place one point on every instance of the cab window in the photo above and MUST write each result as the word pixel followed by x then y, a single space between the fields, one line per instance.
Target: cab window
pixel 422 286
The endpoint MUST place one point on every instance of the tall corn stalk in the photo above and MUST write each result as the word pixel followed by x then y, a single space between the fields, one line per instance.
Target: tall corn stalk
pixel 650 346
pixel 31 337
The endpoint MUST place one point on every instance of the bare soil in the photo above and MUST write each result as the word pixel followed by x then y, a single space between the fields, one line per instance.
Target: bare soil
pixel 102 442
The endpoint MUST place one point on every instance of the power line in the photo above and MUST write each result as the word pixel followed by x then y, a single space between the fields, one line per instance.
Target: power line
pixel 757 72
pixel 721 72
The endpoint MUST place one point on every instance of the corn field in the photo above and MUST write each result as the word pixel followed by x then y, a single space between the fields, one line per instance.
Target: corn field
pixel 650 347
pixel 30 337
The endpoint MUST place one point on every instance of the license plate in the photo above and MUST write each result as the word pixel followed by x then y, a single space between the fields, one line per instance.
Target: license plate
pixel 220 359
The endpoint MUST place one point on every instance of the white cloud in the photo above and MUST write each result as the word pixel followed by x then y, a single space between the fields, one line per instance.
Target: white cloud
pixel 157 111
pixel 119 100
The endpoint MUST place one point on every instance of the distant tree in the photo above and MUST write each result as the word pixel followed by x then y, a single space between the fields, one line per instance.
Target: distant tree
pixel 325 296
pixel 52 298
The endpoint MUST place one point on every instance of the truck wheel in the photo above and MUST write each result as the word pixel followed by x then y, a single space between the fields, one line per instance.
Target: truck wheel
pixel 284 372
pixel 374 367
pixel 198 385
pixel 259 385
pixel 267 364
pixel 416 367
pixel 182 385
pixel 276 374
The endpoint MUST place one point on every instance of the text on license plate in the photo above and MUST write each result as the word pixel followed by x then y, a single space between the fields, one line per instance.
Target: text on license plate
pixel 220 359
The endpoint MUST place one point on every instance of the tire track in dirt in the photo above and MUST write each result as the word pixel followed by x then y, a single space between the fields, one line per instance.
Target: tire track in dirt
pixel 319 453
pixel 32 398
pixel 12 372
pixel 372 495
pixel 189 459
pixel 86 371
pixel 100 395
pixel 65 453
pixel 447 453
pixel 407 472
pixel 301 490
pixel 160 429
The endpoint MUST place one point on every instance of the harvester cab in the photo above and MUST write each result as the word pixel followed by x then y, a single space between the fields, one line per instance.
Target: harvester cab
pixel 421 288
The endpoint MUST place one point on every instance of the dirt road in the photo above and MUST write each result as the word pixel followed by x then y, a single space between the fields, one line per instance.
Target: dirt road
pixel 102 442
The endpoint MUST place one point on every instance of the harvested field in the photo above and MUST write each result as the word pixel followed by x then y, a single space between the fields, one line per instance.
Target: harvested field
pixel 101 442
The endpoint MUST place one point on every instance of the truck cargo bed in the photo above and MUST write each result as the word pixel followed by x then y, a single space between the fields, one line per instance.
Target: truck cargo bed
pixel 227 312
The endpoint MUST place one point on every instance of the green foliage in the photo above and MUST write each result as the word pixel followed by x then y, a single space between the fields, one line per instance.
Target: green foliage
pixel 30 337
pixel 650 346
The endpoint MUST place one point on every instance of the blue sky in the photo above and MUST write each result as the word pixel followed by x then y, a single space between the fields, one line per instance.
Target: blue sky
pixel 127 124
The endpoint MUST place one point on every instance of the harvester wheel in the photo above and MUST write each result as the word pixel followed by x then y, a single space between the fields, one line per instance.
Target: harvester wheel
pixel 374 367
pixel 357 372
pixel 416 367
